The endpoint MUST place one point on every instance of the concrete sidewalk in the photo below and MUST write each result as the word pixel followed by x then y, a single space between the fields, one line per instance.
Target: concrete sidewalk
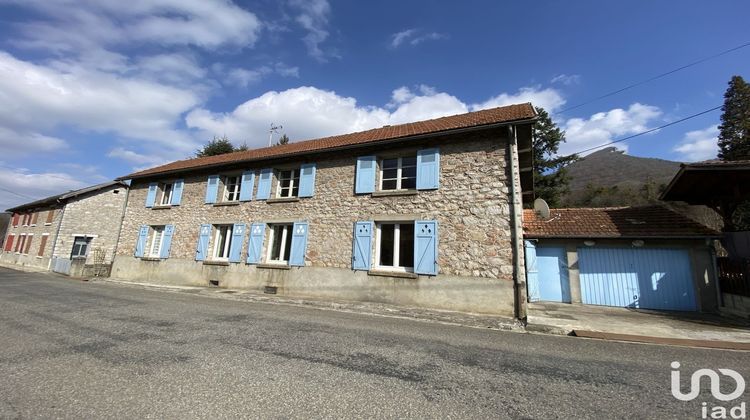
pixel 564 318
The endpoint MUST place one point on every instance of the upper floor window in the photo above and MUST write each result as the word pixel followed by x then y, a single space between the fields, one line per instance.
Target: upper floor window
pixel 398 173
pixel 288 183
pixel 232 187
pixel 166 194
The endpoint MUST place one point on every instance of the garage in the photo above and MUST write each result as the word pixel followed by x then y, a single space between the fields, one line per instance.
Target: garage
pixel 630 257
pixel 637 278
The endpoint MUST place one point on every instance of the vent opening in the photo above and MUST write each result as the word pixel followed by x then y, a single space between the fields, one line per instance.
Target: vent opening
pixel 270 290
pixel 213 283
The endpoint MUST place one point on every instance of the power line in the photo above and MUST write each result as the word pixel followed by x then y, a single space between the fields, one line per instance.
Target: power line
pixel 19 194
pixel 647 131
pixel 651 79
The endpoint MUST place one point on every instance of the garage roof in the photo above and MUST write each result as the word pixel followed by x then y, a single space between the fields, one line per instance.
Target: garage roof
pixel 613 222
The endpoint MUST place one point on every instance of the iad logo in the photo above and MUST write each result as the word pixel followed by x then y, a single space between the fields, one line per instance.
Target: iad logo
pixel 716 412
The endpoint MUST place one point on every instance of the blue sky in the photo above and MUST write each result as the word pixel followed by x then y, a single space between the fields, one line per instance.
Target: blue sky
pixel 93 89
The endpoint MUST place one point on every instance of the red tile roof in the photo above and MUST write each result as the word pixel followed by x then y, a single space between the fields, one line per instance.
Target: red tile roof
pixel 503 114
pixel 613 222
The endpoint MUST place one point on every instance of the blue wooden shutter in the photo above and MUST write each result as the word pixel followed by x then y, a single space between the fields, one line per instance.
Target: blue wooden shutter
pixel 425 247
pixel 532 273
pixel 202 250
pixel 151 196
pixel 246 187
pixel 365 176
pixel 140 245
pixel 235 246
pixel 299 244
pixel 212 189
pixel 362 245
pixel 166 243
pixel 307 180
pixel 177 192
pixel 264 184
pixel 428 169
pixel 255 244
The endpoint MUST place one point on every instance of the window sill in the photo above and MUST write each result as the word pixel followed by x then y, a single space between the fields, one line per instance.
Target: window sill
pixel 282 200
pixel 216 262
pixel 39 256
pixel 274 266
pixel 150 259
pixel 48 224
pixel 227 203
pixel 162 207
pixel 386 273
pixel 392 193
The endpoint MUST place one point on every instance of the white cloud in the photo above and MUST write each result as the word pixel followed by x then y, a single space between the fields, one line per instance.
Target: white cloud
pixel 567 79
pixel 550 99
pixel 32 186
pixel 244 77
pixel 138 160
pixel 699 144
pixel 72 26
pixel 22 143
pixel 604 127
pixel 308 112
pixel 414 36
pixel 313 16
pixel 177 69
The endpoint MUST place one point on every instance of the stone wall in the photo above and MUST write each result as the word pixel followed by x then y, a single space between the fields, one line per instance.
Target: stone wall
pixel 40 229
pixel 97 215
pixel 472 207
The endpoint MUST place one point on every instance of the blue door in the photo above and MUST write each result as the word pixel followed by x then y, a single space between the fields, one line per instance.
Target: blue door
pixel 637 278
pixel 547 273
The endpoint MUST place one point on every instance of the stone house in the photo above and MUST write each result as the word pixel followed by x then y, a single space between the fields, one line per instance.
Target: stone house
pixel 423 214
pixel 71 233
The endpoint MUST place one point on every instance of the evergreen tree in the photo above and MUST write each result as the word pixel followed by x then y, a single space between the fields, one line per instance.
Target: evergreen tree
pixel 550 175
pixel 217 146
pixel 734 131
pixel 284 139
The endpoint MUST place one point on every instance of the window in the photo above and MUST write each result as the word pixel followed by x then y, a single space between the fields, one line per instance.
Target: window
pixel 398 173
pixel 9 243
pixel 80 247
pixel 288 184
pixel 15 219
pixel 19 244
pixel 166 194
pixel 29 238
pixel 25 220
pixel 232 188
pixel 157 241
pixel 42 245
pixel 280 240
pixel 222 241
pixel 395 246
pixel 34 219
pixel 50 217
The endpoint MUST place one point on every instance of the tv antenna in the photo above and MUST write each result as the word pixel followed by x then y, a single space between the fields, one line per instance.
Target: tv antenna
pixel 273 129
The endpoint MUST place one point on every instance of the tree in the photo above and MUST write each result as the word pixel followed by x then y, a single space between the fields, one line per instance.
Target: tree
pixel 734 131
pixel 284 139
pixel 217 146
pixel 550 175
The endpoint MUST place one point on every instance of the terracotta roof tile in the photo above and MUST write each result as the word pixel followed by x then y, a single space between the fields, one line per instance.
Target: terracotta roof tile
pixel 472 119
pixel 613 222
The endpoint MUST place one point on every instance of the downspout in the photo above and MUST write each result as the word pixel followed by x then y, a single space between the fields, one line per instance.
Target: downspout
pixel 715 268
pixel 122 220
pixel 519 275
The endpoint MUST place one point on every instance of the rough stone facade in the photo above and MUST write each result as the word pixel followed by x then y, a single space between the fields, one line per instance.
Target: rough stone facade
pixel 44 227
pixel 472 207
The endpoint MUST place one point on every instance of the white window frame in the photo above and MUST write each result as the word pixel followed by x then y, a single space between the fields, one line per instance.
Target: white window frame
pixel 20 244
pixel 295 174
pixel 396 247
pixel 399 172
pixel 154 250
pixel 282 249
pixel 236 190
pixel 217 241
pixel 166 196
pixel 86 239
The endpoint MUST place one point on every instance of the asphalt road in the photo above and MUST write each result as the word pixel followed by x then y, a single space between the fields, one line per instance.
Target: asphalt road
pixel 70 349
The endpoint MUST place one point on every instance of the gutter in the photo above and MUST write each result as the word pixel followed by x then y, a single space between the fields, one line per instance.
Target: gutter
pixel 519 274
pixel 336 149
pixel 122 220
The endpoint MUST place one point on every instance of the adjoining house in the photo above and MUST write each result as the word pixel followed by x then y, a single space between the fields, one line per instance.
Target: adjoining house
pixel 424 214
pixel 635 257
pixel 72 233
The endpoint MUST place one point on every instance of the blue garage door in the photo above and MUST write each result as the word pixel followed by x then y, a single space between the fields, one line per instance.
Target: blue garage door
pixel 547 273
pixel 637 278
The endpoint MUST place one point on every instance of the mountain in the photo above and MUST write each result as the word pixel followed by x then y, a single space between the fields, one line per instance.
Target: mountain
pixel 609 177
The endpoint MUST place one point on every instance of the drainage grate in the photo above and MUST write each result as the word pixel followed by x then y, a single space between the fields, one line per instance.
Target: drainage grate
pixel 270 290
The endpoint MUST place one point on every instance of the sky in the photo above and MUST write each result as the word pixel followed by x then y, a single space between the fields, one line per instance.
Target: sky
pixel 91 90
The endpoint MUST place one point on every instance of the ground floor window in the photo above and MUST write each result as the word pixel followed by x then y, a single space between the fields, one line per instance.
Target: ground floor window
pixel 19 244
pixel 29 239
pixel 157 241
pixel 42 245
pixel 395 246
pixel 280 241
pixel 80 247
pixel 9 243
pixel 222 241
